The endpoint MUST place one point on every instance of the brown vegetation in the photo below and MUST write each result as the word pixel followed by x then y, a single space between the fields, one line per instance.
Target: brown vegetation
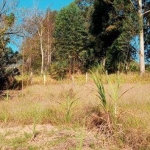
pixel 66 115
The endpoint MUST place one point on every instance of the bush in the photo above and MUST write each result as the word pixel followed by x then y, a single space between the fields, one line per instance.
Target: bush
pixel 58 71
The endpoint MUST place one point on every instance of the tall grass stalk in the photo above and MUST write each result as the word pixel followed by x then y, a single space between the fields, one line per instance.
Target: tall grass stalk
pixel 115 87
pixel 7 95
pixel 80 139
pixel 33 129
pixel 67 108
pixel 101 90
pixel 115 92
pixel 69 105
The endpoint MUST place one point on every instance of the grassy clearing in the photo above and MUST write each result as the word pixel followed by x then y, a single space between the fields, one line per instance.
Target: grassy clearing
pixel 75 110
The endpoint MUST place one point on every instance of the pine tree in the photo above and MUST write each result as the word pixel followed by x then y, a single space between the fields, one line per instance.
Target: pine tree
pixel 70 37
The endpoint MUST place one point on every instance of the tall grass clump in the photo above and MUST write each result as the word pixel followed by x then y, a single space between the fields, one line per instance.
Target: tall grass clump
pixel 67 104
pixel 100 90
pixel 110 114
pixel 99 69
pixel 115 94
pixel 101 119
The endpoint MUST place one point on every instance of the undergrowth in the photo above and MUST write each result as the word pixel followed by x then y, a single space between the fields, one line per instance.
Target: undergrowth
pixel 111 108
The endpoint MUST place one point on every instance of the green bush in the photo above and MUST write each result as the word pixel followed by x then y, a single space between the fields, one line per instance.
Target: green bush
pixel 58 71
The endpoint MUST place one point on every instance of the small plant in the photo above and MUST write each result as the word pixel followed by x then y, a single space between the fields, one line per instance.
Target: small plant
pixel 98 69
pixel 105 120
pixel 18 142
pixel 68 108
pixel 67 105
pixel 58 71
pixel 33 128
pixel 4 115
pixel 115 94
pixel 101 119
pixel 7 95
pixel 80 139
pixel 100 89
pixel 115 87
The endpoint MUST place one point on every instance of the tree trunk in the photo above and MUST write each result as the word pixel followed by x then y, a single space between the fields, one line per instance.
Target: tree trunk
pixel 141 36
pixel 42 51
pixel 70 64
pixel 74 65
pixel 48 48
pixel 104 62
pixel 50 54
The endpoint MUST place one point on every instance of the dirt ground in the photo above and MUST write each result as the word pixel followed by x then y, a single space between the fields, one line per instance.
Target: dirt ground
pixel 48 137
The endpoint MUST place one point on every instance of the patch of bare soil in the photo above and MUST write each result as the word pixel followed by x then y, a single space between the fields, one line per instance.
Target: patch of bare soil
pixel 48 137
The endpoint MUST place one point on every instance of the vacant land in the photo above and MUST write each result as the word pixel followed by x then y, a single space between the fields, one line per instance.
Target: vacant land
pixel 68 115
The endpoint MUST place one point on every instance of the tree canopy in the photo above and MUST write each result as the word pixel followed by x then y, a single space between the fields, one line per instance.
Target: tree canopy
pixel 79 36
pixel 70 36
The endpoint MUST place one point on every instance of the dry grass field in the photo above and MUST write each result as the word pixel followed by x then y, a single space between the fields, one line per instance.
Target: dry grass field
pixel 68 115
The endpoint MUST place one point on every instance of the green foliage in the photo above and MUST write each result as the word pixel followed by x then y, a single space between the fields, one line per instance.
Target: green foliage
pixel 99 69
pixel 70 36
pixel 146 29
pixel 114 25
pixel 58 70
pixel 10 19
pixel 7 56
pixel 100 89
pixel 91 32
pixel 67 108
pixel 134 67
pixel 103 28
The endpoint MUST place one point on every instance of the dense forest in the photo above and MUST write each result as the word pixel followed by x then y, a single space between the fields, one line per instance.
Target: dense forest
pixel 113 34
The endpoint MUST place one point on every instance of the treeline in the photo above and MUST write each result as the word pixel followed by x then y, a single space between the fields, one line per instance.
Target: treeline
pixel 85 34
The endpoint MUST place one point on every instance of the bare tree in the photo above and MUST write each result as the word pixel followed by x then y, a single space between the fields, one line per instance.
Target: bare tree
pixel 49 24
pixel 33 25
pixel 40 25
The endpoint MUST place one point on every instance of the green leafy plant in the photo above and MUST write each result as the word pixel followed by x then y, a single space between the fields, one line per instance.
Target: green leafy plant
pixel 67 105
pixel 58 71
pixel 115 92
pixel 100 89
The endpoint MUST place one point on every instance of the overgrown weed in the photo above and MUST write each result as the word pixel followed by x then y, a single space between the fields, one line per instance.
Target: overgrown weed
pixel 56 104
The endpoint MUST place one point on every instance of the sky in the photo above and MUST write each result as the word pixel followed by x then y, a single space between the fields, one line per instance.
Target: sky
pixel 43 4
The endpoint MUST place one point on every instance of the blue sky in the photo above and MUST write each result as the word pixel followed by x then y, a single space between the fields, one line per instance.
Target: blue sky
pixel 43 4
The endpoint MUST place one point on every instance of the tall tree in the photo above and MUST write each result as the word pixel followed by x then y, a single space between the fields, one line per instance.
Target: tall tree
pixel 7 56
pixel 128 20
pixel 91 58
pixel 142 8
pixel 70 36
pixel 49 24
pixel 114 24
pixel 104 28
pixel 39 27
